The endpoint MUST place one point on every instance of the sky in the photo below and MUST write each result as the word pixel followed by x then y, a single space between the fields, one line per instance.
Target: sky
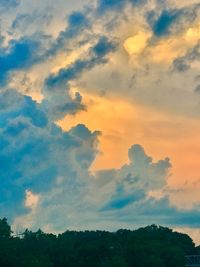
pixel 99 114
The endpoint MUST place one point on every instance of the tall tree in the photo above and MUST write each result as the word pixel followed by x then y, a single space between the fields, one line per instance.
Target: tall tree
pixel 5 229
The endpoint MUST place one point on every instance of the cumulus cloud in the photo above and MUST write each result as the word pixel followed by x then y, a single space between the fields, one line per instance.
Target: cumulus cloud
pixel 82 198
pixel 46 182
pixel 45 172
pixel 108 199
pixel 135 180
pixel 30 147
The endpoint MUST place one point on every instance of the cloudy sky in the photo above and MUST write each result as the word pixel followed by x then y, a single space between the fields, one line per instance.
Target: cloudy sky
pixel 99 114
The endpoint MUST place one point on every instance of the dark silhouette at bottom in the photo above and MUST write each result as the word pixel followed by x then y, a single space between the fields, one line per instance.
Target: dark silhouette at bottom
pixel 152 246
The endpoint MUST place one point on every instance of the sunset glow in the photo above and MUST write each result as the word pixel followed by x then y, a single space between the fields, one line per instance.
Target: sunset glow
pixel 99 114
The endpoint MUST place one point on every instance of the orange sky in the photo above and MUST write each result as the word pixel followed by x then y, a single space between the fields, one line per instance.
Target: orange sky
pixel 123 124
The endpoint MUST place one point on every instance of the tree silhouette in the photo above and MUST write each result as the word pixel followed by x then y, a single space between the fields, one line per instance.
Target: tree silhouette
pixel 149 246
pixel 5 229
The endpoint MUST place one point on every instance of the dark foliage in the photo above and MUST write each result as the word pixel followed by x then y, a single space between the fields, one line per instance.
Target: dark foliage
pixel 150 246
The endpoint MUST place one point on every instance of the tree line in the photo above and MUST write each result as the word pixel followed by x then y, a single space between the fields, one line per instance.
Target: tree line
pixel 152 246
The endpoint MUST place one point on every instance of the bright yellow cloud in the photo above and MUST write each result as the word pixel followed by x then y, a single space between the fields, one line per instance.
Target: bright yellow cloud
pixel 164 50
pixel 192 35
pixel 136 44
